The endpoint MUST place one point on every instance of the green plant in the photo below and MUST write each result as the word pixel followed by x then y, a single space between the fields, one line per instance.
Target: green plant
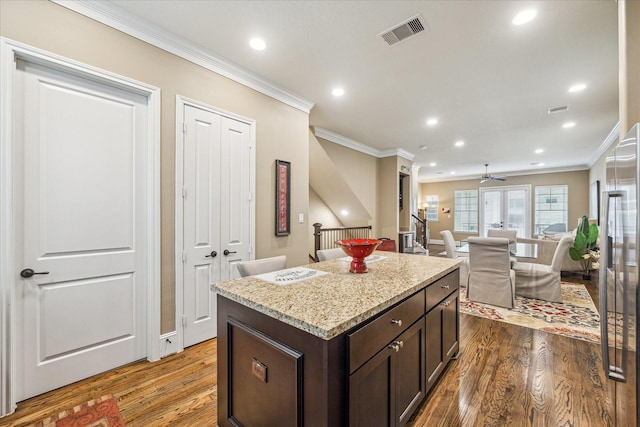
pixel 584 245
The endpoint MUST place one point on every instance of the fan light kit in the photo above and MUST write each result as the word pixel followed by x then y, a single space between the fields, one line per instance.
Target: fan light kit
pixel 486 177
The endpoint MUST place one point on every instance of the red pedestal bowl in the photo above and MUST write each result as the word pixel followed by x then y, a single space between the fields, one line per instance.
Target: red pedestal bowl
pixel 358 249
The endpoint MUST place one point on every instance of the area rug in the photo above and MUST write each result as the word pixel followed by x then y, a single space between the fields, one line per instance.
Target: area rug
pixel 101 412
pixel 576 317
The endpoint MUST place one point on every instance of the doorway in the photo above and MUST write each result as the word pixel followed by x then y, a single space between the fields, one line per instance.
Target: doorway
pixel 80 211
pixel 507 207
pixel 215 215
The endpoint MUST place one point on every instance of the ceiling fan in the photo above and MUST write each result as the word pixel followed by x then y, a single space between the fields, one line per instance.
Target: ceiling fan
pixel 486 177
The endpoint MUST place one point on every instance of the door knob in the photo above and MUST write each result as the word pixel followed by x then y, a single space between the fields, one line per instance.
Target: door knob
pixel 28 272
pixel 213 254
pixel 227 252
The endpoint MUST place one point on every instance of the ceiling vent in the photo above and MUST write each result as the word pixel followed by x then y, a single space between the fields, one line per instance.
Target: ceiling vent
pixel 558 109
pixel 404 30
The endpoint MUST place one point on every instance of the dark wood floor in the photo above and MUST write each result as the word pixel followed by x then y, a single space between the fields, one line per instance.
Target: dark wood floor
pixel 505 376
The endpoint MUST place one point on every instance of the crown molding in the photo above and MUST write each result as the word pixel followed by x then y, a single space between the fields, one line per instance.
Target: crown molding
pixel 121 20
pixel 447 178
pixel 608 142
pixel 358 146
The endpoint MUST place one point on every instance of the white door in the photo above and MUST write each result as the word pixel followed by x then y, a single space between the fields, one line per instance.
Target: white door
pixel 80 165
pixel 217 221
pixel 506 208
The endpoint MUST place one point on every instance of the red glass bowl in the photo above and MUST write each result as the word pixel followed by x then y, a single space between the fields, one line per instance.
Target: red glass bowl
pixel 358 249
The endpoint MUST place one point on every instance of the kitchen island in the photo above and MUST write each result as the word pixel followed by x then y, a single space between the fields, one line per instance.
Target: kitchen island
pixel 319 346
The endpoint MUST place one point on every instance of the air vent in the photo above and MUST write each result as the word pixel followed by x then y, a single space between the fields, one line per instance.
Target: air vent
pixel 558 109
pixel 404 30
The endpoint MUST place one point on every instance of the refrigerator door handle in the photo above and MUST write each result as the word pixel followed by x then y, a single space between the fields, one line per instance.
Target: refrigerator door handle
pixel 613 372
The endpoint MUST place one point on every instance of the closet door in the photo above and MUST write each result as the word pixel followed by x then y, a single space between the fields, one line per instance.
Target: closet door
pixel 216 212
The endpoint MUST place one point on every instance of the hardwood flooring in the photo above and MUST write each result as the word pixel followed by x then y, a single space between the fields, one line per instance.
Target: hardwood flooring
pixel 505 376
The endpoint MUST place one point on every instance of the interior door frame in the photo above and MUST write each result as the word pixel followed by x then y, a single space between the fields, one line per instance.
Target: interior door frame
pixel 10 52
pixel 176 337
pixel 503 189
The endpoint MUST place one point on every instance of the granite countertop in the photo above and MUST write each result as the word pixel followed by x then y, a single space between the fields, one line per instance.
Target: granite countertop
pixel 331 304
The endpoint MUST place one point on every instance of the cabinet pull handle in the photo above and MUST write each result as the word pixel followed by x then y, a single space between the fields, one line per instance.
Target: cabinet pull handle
pixel 396 346
pixel 444 286
pixel 397 322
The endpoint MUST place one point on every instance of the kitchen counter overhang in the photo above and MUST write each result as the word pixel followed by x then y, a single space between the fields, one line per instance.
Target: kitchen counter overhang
pixel 329 305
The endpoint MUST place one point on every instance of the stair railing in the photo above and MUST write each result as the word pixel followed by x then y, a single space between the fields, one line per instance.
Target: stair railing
pixel 324 238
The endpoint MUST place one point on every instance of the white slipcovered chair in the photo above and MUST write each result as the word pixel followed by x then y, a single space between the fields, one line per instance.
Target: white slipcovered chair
pixel 327 254
pixel 260 266
pixel 542 281
pixel 491 279
pixel 450 248
pixel 512 235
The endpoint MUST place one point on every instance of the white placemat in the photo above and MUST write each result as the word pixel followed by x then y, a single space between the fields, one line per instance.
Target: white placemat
pixel 370 258
pixel 290 275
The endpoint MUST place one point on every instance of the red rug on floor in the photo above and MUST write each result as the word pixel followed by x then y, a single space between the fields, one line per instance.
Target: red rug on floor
pixel 101 412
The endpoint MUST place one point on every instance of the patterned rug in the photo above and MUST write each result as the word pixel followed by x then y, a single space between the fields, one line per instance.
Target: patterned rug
pixel 102 412
pixel 576 317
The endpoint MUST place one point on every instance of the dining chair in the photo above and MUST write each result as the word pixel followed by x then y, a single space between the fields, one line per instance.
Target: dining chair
pixel 327 254
pixel 263 265
pixel 450 248
pixel 491 279
pixel 512 235
pixel 542 281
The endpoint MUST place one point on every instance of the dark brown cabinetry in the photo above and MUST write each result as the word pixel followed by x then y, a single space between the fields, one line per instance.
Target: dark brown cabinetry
pixel 387 389
pixel 375 374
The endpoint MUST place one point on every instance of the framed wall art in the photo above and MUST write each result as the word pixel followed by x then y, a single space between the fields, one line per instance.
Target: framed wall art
pixel 283 198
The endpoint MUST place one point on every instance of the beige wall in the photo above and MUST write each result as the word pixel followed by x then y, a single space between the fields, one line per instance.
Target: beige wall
pixel 359 170
pixel 282 131
pixel 629 63
pixel 578 183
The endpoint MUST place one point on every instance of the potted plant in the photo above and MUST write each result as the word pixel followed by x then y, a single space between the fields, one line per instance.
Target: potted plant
pixel 584 247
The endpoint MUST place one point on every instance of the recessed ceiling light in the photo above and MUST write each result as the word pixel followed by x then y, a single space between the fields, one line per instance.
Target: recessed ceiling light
pixel 569 125
pixel 537 164
pixel 432 164
pixel 577 87
pixel 453 172
pixel 539 150
pixel 338 91
pixel 258 44
pixel 524 17
pixel 344 212
pixel 423 147
pixel 459 143
pixel 432 121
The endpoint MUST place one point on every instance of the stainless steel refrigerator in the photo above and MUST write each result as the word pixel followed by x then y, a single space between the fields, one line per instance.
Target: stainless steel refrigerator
pixel 619 277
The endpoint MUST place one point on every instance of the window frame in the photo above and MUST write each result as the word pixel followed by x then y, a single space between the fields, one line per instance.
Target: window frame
pixel 431 204
pixel 549 188
pixel 458 210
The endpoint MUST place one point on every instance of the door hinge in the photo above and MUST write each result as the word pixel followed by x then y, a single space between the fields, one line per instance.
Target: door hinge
pixel 184 128
pixel 184 256
pixel 184 320
pixel 184 192
pixel 250 197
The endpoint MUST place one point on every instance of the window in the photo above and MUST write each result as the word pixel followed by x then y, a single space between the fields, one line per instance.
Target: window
pixel 551 210
pixel 465 211
pixel 431 208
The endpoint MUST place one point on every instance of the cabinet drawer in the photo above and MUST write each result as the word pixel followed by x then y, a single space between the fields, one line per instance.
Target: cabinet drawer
pixel 440 289
pixel 365 342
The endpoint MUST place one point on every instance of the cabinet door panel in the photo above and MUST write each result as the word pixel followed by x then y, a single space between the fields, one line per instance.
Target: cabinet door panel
pixel 370 392
pixel 434 353
pixel 450 332
pixel 408 371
